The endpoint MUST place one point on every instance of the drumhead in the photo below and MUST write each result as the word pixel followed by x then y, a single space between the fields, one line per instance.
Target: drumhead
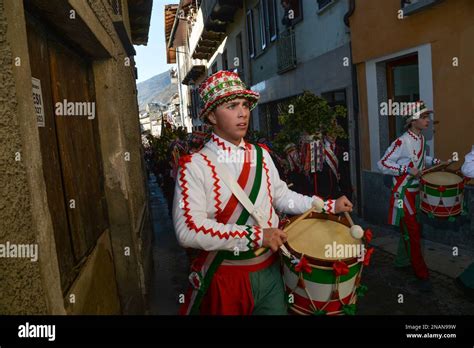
pixel 442 178
pixel 313 237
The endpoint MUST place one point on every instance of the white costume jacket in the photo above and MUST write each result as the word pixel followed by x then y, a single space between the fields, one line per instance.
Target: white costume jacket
pixel 206 214
pixel 407 151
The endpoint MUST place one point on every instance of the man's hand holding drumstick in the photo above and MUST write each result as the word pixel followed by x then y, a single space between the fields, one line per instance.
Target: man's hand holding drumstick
pixel 418 173
pixel 343 204
pixel 273 238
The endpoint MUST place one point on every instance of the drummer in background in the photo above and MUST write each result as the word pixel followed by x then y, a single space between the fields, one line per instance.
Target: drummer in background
pixel 208 217
pixel 466 280
pixel 405 159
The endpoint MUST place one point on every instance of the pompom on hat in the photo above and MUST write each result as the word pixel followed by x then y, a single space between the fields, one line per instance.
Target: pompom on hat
pixel 414 111
pixel 222 87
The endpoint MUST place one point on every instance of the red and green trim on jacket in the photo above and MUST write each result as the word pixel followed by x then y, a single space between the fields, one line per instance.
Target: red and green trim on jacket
pixel 401 184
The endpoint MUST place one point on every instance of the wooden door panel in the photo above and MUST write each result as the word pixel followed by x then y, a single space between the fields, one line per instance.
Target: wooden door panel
pixel 39 61
pixel 79 149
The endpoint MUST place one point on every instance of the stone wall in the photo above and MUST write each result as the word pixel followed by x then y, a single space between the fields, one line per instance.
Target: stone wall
pixel 33 287
pixel 21 290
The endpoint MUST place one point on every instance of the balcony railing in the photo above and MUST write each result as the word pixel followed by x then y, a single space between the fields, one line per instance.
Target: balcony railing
pixel 286 51
pixel 207 7
pixel 208 34
pixel 190 69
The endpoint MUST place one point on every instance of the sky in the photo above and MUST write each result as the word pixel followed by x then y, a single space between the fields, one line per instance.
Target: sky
pixel 151 59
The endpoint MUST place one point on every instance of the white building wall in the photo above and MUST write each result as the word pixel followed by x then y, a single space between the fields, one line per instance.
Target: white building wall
pixel 183 90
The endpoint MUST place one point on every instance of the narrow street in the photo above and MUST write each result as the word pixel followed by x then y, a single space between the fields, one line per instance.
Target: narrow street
pixel 385 282
pixel 171 262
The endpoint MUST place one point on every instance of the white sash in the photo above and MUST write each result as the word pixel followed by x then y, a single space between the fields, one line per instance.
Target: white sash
pixel 235 188
pixel 239 193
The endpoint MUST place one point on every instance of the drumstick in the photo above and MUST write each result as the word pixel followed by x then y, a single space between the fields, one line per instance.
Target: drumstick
pixel 287 228
pixel 317 206
pixel 348 217
pixel 356 231
pixel 436 166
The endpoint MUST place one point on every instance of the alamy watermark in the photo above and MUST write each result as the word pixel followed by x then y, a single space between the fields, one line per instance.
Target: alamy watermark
pixel 237 156
pixel 345 251
pixel 37 331
pixel 393 108
pixel 26 251
pixel 75 109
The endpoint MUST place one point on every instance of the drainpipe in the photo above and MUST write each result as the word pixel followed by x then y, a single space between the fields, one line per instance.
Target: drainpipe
pixel 349 13
pixel 355 103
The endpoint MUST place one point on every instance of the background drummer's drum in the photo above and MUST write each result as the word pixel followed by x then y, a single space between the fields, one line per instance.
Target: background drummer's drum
pixel 441 194
pixel 321 291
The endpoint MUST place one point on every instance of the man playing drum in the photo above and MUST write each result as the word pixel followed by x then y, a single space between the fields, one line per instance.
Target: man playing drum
pixel 227 277
pixel 405 159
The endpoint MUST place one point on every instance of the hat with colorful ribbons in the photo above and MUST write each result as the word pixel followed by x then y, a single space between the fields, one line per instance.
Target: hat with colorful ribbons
pixel 413 111
pixel 221 87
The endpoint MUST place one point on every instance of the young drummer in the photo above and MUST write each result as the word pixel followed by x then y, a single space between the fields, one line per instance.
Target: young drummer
pixel 405 159
pixel 207 216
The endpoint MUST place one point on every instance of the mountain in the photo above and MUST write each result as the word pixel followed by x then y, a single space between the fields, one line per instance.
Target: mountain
pixel 157 89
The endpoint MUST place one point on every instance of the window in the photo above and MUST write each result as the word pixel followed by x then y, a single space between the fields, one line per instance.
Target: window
pixel 324 3
pixel 413 6
pixel 402 86
pixel 195 106
pixel 214 68
pixel 408 2
pixel 225 62
pixel 272 19
pixel 239 49
pixel 250 34
pixel 335 98
pixel 293 12
pixel 263 23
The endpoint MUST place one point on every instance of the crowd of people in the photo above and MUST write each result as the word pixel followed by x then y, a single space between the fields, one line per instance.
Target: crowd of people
pixel 162 156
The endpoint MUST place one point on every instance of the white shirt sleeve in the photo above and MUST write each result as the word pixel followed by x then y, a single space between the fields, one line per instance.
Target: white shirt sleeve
pixel 286 200
pixel 431 161
pixel 388 163
pixel 468 167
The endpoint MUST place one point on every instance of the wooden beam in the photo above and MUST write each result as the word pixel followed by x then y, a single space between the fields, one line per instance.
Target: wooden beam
pixel 57 14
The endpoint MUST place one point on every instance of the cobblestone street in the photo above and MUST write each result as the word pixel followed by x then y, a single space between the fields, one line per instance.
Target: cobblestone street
pixel 385 282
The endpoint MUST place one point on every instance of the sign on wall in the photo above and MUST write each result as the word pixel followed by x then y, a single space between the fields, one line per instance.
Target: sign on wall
pixel 38 102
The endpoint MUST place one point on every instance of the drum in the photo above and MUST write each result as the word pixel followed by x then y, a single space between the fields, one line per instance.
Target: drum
pixel 441 194
pixel 328 267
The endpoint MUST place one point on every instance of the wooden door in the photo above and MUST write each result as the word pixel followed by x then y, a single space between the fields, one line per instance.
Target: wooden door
pixel 79 145
pixel 70 148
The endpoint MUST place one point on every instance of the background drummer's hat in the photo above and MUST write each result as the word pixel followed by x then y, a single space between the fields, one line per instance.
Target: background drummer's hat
pixel 413 111
pixel 222 87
